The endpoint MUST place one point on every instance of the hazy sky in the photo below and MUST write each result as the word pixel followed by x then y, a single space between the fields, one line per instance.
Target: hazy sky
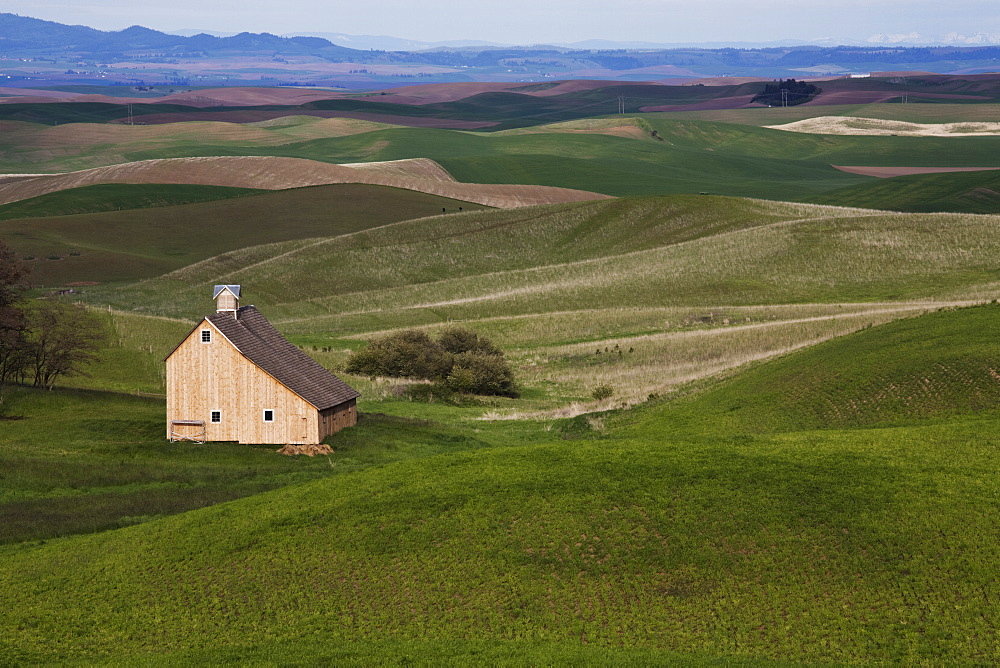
pixel 538 21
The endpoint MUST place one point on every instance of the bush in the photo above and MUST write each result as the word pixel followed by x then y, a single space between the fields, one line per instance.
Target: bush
pixel 460 361
pixel 476 373
pixel 602 392
pixel 458 340
pixel 406 354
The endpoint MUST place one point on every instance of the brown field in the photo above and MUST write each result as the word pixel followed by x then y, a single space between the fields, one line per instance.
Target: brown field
pixel 889 172
pixel 275 173
pixel 629 128
pixel 260 115
pixel 246 96
pixel 875 96
pixel 734 102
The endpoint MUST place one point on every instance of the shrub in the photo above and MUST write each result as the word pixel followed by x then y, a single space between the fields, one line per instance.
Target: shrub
pixel 459 361
pixel 406 354
pixel 477 373
pixel 458 340
pixel 602 392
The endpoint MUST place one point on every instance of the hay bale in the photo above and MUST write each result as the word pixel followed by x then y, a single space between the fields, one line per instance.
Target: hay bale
pixel 310 450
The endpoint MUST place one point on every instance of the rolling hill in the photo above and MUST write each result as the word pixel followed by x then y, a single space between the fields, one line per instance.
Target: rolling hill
pixel 277 173
pixel 651 154
pixel 750 431
pixel 966 192
pixel 641 294
pixel 132 244
pixel 651 531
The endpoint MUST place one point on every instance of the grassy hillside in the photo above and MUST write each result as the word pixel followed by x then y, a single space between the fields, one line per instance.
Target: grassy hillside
pixel 641 294
pixel 117 197
pixel 79 461
pixel 966 192
pixel 624 253
pixel 657 533
pixel 141 243
pixel 918 369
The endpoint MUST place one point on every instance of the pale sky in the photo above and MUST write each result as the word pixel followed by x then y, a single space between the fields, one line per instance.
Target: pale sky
pixel 540 21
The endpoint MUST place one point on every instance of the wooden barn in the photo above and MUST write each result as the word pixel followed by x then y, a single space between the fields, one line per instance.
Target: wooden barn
pixel 235 378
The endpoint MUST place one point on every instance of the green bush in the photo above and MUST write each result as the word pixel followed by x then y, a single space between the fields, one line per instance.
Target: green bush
pixel 459 340
pixel 477 373
pixel 406 354
pixel 460 360
pixel 602 392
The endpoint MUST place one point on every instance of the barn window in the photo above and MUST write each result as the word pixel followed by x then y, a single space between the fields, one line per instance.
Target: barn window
pixel 216 416
pixel 206 336
pixel 268 415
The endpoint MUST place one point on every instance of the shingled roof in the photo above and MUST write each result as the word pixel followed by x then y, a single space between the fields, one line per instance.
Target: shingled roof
pixel 263 345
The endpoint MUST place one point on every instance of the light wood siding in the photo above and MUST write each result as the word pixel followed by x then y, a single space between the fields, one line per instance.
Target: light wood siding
pixel 206 377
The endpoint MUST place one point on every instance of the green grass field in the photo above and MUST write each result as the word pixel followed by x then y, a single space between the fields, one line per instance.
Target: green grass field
pixel 796 463
pixel 117 245
pixel 117 197
pixel 965 192
pixel 648 535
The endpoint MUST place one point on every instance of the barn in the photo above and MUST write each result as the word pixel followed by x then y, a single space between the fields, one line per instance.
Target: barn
pixel 234 377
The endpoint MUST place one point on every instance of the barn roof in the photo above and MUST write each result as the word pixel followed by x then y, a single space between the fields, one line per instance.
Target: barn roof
pixel 235 289
pixel 263 345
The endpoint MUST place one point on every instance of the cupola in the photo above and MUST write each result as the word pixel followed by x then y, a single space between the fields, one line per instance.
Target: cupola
pixel 227 298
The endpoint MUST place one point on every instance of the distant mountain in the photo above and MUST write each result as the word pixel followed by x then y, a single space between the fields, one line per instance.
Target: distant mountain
pixel 399 61
pixel 21 34
pixel 387 43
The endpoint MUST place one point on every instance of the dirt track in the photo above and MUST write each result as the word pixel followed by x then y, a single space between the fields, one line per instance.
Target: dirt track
pixel 275 173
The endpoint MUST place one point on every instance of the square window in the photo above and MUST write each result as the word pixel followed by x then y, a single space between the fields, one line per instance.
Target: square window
pixel 206 336
pixel 216 416
pixel 269 415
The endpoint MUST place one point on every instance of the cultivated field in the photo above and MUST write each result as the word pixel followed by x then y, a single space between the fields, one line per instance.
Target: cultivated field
pixel 750 430
pixel 852 125
pixel 275 173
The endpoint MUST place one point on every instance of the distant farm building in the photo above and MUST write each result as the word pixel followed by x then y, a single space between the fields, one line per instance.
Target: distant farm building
pixel 235 378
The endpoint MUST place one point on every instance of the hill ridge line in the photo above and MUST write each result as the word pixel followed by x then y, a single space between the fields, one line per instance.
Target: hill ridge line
pixel 282 173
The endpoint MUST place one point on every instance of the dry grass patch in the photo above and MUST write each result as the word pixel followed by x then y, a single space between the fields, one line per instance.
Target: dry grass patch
pixel 854 125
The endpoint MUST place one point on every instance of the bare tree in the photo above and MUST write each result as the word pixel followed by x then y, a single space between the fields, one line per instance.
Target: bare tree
pixel 61 339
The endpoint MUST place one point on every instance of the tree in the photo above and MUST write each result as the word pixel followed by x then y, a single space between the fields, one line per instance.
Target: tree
pixel 13 283
pixel 61 337
pixel 13 277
